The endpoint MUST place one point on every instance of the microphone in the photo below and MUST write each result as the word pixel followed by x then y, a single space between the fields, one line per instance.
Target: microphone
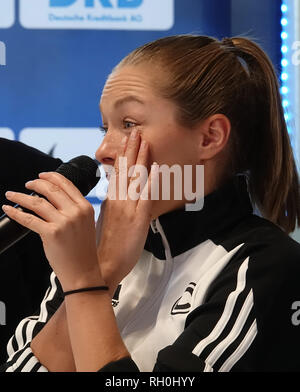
pixel 82 171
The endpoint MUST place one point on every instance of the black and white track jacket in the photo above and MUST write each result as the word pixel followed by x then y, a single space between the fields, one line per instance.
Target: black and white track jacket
pixel 215 290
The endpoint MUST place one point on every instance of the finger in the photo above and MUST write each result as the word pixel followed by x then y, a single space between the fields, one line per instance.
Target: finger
pixel 36 204
pixel 142 158
pixel 99 222
pixel 54 193
pixel 120 154
pixel 64 184
pixel 130 155
pixel 132 149
pixel 138 173
pixel 118 171
pixel 23 218
pixel 149 192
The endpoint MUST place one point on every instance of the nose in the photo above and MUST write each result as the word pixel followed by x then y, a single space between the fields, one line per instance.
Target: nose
pixel 107 151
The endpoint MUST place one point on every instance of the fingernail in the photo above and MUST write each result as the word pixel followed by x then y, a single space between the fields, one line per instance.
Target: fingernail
pixel 144 144
pixel 8 193
pixel 134 134
pixel 5 207
pixel 28 183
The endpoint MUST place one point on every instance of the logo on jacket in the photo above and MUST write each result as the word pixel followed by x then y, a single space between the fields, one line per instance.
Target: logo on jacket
pixel 183 304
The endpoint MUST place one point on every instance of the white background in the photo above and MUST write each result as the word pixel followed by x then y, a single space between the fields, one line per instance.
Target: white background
pixel 7 133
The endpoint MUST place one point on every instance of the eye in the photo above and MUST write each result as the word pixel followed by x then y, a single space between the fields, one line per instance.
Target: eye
pixel 129 124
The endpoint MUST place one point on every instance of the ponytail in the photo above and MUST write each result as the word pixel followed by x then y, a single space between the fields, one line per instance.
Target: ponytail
pixel 273 176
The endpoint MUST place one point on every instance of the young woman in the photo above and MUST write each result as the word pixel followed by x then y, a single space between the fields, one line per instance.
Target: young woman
pixel 210 290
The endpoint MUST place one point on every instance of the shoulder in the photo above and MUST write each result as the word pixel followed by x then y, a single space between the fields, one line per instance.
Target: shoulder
pixel 264 243
pixel 269 258
pixel 272 252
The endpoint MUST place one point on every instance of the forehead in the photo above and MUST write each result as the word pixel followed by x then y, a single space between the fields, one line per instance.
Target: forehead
pixel 127 83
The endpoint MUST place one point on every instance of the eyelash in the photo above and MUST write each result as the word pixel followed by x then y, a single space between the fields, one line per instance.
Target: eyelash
pixel 105 130
pixel 129 122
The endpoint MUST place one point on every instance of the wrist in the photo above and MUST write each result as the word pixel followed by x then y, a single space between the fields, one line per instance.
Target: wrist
pixel 91 278
pixel 112 281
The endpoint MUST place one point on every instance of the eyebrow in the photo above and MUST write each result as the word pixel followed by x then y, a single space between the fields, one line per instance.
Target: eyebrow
pixel 129 98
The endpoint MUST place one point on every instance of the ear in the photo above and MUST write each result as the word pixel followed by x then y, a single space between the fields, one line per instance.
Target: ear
pixel 212 134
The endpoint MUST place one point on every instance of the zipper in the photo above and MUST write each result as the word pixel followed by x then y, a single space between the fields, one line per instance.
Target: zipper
pixel 154 226
pixel 166 245
pixel 165 277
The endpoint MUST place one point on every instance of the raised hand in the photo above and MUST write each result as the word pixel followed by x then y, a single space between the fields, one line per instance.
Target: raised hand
pixel 123 224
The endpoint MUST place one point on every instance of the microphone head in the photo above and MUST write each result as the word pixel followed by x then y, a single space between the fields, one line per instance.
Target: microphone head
pixel 82 171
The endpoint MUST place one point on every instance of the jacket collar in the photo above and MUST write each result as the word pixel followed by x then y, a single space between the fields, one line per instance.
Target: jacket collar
pixel 183 230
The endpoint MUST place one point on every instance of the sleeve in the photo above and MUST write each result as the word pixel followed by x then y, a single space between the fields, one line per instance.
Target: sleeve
pixel 219 334
pixel 20 355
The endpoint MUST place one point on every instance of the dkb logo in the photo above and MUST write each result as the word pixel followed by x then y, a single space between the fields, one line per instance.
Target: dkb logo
pixel 97 14
pixel 103 3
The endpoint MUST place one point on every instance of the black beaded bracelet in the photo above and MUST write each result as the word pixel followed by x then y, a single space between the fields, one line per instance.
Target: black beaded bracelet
pixel 86 289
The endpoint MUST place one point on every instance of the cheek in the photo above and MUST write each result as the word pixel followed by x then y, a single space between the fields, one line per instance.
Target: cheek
pixel 173 148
